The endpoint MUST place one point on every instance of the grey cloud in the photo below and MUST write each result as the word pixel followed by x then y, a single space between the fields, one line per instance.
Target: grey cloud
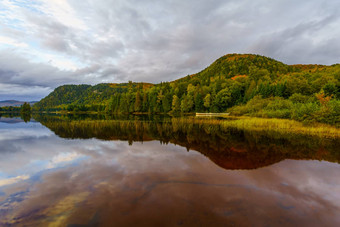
pixel 155 41
pixel 11 32
pixel 23 92
pixel 24 80
pixel 111 71
pixel 18 70
pixel 297 45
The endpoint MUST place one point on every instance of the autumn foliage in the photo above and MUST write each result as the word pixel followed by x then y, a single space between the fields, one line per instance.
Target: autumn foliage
pixel 241 84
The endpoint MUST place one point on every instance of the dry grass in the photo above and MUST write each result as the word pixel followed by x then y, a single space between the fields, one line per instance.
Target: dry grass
pixel 251 124
pixel 282 126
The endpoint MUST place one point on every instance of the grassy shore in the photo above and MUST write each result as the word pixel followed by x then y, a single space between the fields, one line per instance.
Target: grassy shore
pixel 283 126
pixel 269 125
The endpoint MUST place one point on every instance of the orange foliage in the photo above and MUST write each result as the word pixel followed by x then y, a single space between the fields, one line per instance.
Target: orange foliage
pixel 233 57
pixel 238 76
pixel 146 86
pixel 311 67
pixel 113 85
pixel 324 100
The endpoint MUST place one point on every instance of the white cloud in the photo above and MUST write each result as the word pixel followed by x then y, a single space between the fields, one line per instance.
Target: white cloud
pixel 63 12
pixel 13 180
pixel 62 158
pixel 9 41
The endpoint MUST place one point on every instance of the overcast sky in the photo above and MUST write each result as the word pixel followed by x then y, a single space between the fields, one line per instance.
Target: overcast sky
pixel 45 43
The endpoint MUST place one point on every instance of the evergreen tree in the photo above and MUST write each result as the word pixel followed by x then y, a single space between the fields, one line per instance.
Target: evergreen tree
pixel 138 103
pixel 166 102
pixel 190 102
pixel 25 112
pixel 198 103
pixel 145 102
pixel 176 106
pixel 26 108
pixel 207 101
pixel 184 104
pixel 124 105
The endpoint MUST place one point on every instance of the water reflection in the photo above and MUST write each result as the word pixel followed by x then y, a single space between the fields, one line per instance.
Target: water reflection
pixel 228 148
pixel 48 180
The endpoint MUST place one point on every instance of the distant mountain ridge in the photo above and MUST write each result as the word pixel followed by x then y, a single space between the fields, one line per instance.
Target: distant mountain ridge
pixel 15 103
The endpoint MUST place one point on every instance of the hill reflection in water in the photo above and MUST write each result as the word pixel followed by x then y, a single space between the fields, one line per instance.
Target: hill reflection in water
pixel 127 171
pixel 228 148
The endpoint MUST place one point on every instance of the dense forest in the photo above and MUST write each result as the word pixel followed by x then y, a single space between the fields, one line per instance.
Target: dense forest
pixel 241 84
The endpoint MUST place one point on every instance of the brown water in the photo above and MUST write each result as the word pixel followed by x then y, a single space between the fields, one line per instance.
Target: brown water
pixel 156 173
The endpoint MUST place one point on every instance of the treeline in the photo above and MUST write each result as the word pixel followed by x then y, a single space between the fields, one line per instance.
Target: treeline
pixel 241 84
pixel 80 97
pixel 10 109
pixel 24 110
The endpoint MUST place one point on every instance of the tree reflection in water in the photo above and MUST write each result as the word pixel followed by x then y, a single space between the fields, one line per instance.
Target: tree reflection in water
pixel 228 148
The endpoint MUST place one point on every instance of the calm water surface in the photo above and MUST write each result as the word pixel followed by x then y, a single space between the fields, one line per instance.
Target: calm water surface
pixel 85 172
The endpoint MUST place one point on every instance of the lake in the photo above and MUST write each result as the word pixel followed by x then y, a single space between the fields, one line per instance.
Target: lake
pixel 159 171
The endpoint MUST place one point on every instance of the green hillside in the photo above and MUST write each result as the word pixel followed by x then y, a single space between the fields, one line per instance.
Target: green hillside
pixel 81 97
pixel 242 84
pixel 242 64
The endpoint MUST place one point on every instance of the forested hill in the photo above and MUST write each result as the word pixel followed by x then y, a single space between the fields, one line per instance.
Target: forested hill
pixel 84 97
pixel 242 64
pixel 243 84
